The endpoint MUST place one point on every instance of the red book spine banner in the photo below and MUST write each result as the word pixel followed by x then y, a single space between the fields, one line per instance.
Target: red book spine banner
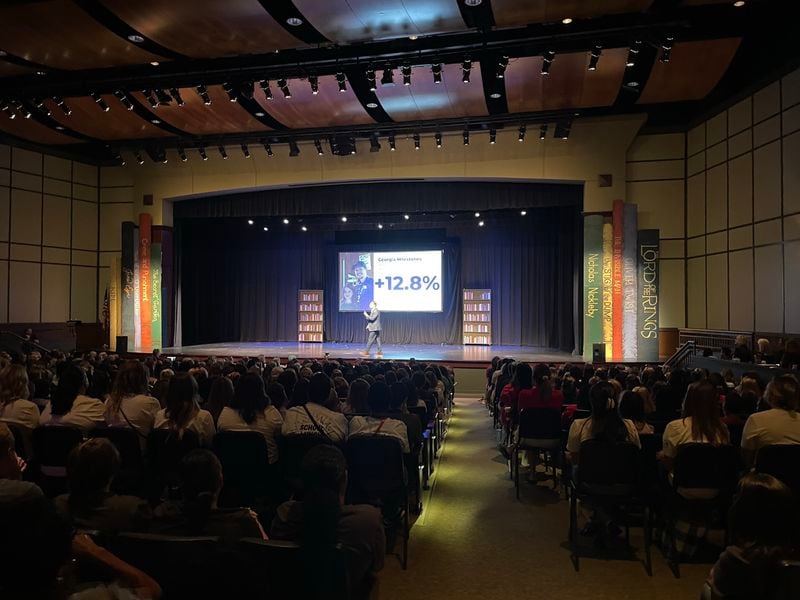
pixel 608 285
pixel 145 292
pixel 619 236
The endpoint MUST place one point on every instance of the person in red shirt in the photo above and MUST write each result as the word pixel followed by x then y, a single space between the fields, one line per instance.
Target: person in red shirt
pixel 542 394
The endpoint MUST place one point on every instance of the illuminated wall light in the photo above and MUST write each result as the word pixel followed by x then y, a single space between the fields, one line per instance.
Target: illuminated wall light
pixel 406 69
pixel 341 80
pixel 633 53
pixel 594 58
pixel 203 93
pixel 264 83
pixel 521 137
pixel 176 95
pixel 547 61
pixel 313 81
pixel 466 68
pixel 437 73
pixel 245 151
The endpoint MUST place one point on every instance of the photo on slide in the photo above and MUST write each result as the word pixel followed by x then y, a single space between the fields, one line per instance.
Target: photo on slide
pixel 356 284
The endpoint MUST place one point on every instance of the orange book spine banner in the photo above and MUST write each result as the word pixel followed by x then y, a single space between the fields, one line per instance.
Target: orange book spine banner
pixel 619 246
pixel 145 293
pixel 608 284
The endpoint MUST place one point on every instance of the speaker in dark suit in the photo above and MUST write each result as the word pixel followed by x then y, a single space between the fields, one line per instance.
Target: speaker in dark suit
pixel 122 344
pixel 598 353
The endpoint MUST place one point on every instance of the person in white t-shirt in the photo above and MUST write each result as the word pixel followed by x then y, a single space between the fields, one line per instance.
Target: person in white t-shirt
pixel 778 425
pixel 69 404
pixel 376 423
pixel 14 391
pixel 251 410
pixel 129 404
pixel 312 418
pixel 182 412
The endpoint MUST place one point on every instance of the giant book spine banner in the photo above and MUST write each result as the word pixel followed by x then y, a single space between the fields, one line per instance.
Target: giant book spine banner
pixel 630 285
pixel 145 303
pixel 126 280
pixel 647 326
pixel 617 227
pixel 592 283
pixel 608 283
pixel 155 289
pixel 137 298
pixel 114 302
pixel 167 289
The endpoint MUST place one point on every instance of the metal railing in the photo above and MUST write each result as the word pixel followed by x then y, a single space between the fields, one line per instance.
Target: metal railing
pixel 681 355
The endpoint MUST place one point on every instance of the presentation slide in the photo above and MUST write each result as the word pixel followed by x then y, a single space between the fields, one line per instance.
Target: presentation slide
pixel 402 281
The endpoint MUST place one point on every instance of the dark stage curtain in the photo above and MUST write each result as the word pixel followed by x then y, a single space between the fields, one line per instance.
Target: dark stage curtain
pixel 239 283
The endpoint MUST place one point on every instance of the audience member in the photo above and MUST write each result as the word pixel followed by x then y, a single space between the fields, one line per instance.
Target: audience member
pixel 357 398
pixel 14 392
pixel 741 350
pixel 377 423
pixel 182 411
pixel 70 406
pixel 129 404
pixel 219 396
pixel 312 418
pixel 631 407
pixel 778 425
pixel 278 398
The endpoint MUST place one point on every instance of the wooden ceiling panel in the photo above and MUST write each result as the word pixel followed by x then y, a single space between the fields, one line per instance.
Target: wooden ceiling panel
pixel 329 108
pixel 33 131
pixel 116 124
pixel 424 99
pixel 518 13
pixel 59 34
pixel 358 20
pixel 569 85
pixel 206 28
pixel 693 71
pixel 222 116
pixel 8 69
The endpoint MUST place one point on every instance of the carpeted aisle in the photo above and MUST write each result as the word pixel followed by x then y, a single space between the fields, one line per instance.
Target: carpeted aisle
pixel 475 540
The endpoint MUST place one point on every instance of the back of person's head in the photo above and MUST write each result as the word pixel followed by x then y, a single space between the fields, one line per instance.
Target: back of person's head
pixel 100 385
pixel 783 392
pixel 9 465
pixel 250 399
pixel 541 377
pixel 631 406
pixel 72 382
pixel 288 379
pixel 91 467
pixel 419 380
pixel 523 377
pixel 13 383
pixel 357 399
pixel 763 345
pixel 200 474
pixel 398 396
pixel 341 386
pixel 300 392
pixel 277 395
pixel 736 405
pixel 323 473
pixel 221 393
pixel 379 398
pixel 390 378
pixel 180 403
pixel 131 380
pixel 763 515
pixel 607 425
pixel 319 389
pixel 702 404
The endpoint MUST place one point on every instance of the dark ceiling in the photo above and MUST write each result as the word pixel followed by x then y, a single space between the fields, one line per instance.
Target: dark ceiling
pixel 95 77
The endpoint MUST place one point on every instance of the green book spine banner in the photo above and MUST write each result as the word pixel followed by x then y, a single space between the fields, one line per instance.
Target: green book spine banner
pixel 630 286
pixel 145 301
pixel 618 231
pixel 155 293
pixel 127 292
pixel 137 297
pixel 608 286
pixel 647 255
pixel 592 283
pixel 114 302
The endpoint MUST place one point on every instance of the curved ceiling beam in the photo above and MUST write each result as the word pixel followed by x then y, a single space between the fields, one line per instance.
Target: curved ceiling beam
pixel 292 20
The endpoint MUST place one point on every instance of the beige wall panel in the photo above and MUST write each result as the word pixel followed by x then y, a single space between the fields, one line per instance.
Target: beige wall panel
pixel 107 258
pixel 717 128
pixel 696 292
pixel 23 282
pixel 792 283
pixel 671 290
pixel 25 252
pixel 767 131
pixel 696 139
pixel 790 88
pixel 741 237
pixel 662 169
pixel 84 257
pixel 740 143
pixel 768 232
pixel 696 246
pixel 740 195
pixel 56 221
pixel 3 286
pixel 657 147
pixel 26 217
pixel 767 181
pixel 768 270
pixel 696 204
pixel 5 177
pixel 766 102
pixel 3 250
pixel 716 155
pixel 696 164
pixel 26 181
pixel 111 218
pixel 740 116
pixel 104 277
pixel 741 290
pixel 717 291
pixel 671 249
pixel 5 156
pixel 5 212
pixel 791 173
pixel 117 194
pixel 85 174
pixel 120 176
pixel 26 160
pixel 717 242
pixel 58 168
pixel 56 255
pixel 660 206
pixel 84 294
pixel 791 120
pixel 84 192
pixel 791 228
pixel 717 198
pixel 84 225
pixel 56 187
pixel 55 293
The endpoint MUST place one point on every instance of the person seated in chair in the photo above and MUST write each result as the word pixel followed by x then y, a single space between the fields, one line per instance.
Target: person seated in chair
pixel 378 423
pixel 398 410
pixel 321 519
pixel 69 404
pixel 312 418
pixel 90 504
pixel 198 513
pixel 15 407
pixel 778 425
pixel 182 411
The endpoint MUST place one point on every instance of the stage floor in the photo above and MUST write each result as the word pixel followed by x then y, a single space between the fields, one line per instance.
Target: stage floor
pixel 426 352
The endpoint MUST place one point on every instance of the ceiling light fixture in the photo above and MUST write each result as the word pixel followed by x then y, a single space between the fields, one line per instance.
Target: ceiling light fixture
pixel 304 228
pixel 182 154
pixel 294 21
pixel 633 53
pixel 666 49
pixel 264 83
pixel 566 20
pixel 594 58
pixel 372 104
pixel 465 136
pixel 438 138
pixel 151 98
pixel 406 217
pixel 437 73
pixel 313 81
pixel 267 148
pixel 176 95
pixel 249 221
pixel 473 3
pixel 6 108
pixel 480 223
pixel 284 86
pixel 318 146
pixel 138 156
pixel 344 219
pixel 392 146
pixel 477 215
pixel 416 141
pixel 341 81
pixel 266 228
pixel 99 101
pixel 119 94
pixel 371 79
pixel 163 98
pixel 202 151
pixel 203 93
pixel 245 151
pixel 406 69
pixel 466 68
pixel 522 130
pixel 223 153
pixel 502 64
pixel 380 226
pixel 739 3
pixel 522 213
pixel 285 221
pixel 547 61
pixel 294 149
pixel 136 39
pixel 374 143
pixel 229 89
pixel 154 63
pixel 388 76
pixel 492 136
pixel 543 131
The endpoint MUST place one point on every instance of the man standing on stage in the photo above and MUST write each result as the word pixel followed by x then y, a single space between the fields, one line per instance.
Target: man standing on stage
pixel 374 327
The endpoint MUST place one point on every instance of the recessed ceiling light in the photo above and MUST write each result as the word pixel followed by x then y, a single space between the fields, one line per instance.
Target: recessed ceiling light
pixel 3 53
pixel 249 221
pixel 372 105
pixel 380 226
pixel 286 221
pixel 60 127
pixel 523 213
pixel 136 39
pixel 294 21
pixel 495 95
pixel 566 20
pixel 413 37
pixel 633 84
pixel 738 3
pixel 266 228
pixel 473 2
pixel 155 121
pixel 344 219
pixel 259 114
pixel 304 228
pixel 41 73
pixel 406 217
pixel 155 63
pixel 480 223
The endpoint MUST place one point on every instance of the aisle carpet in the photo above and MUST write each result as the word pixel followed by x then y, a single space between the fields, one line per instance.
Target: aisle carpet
pixel 475 540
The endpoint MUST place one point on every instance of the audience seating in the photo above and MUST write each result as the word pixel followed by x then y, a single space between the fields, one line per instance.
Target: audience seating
pixel 248 474
pixel 22 439
pixel 609 477
pixel 292 449
pixel 51 447
pixel 130 479
pixel 782 461
pixel 165 450
pixel 541 425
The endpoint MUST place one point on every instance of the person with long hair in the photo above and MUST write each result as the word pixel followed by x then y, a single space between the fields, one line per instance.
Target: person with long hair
pixel 251 410
pixel 129 404
pixel 763 529
pixel 182 412
pixel 356 402
pixel 700 422
pixel 15 407
pixel 219 396
pixel 631 406
pixel 507 403
pixel 540 394
pixel 69 404
pixel 778 425
pixel 321 519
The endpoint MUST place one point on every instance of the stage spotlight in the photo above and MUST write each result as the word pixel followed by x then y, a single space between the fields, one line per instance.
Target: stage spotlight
pixel 438 138
pixel 406 69
pixel 98 100
pixel 304 228
pixel 466 67
pixel 406 217
pixel 437 73
pixel 416 141
pixel 374 144
pixel 388 76
pixel 249 221
pixel 176 95
pixel 380 226
pixel 543 131
pixel 202 152
pixel 465 135
pixel 22 109
pixel 595 58
pixel 344 219
pixel 392 146
pixel 163 97
pixel 203 93
pixel 229 89
pixel 477 214
pixel 118 157
pixel 245 151
pixel 633 52
pixel 266 228
pixel 547 60
pixel 492 136
pixel 264 83
pixel 119 94
pixel 341 81
pixel 286 221
pixel 182 154
pixel 151 98
pixel 522 213
pixel 318 146
pixel 480 223
pixel 666 49
pixel 39 104
pixel 562 130
pixel 138 156
pixel 521 137
pixel 223 153
pixel 6 108
pixel 371 79
pixel 268 148
pixel 284 88
pixel 313 81
pixel 502 64
pixel 294 149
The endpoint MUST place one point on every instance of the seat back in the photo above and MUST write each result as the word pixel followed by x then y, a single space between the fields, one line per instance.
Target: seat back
pixel 787 581
pixel 280 569
pixel 51 447
pixel 609 469
pixel 782 461
pixel 375 468
pixel 22 439
pixel 540 423
pixel 707 466
pixel 165 451
pixel 245 463
pixel 422 414
pixel 292 449
pixel 128 444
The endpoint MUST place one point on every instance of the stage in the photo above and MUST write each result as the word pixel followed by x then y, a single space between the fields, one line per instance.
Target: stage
pixel 423 352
